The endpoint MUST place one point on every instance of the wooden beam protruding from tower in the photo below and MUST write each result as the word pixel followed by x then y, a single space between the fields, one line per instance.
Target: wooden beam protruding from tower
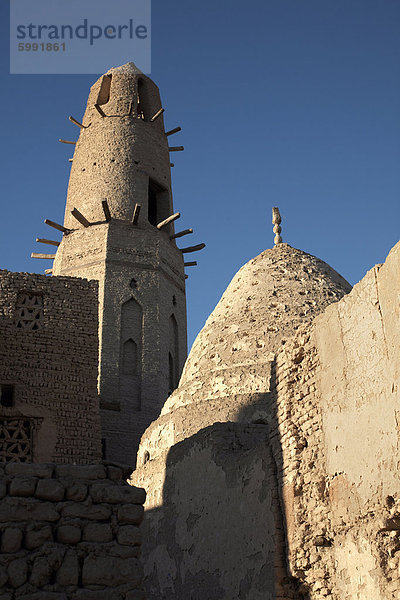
pixel 192 248
pixel 136 213
pixel 45 241
pixel 66 142
pixel 78 123
pixel 176 148
pixel 48 271
pixel 168 220
pixel 193 263
pixel 100 110
pixel 79 217
pixel 172 131
pixel 45 256
pixel 158 114
pixel 180 234
pixel 57 226
pixel 106 210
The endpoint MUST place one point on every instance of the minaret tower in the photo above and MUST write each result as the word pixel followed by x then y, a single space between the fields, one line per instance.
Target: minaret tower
pixel 119 197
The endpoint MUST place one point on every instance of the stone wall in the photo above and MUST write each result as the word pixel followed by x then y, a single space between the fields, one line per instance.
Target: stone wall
pixel 69 532
pixel 49 410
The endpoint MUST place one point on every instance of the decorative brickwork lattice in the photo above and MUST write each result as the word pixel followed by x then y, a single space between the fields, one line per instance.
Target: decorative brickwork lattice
pixel 15 440
pixel 29 311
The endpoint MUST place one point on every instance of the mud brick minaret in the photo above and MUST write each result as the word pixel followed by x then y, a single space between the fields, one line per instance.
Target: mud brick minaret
pixel 119 197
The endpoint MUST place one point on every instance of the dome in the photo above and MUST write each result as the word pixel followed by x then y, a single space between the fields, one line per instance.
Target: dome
pixel 265 303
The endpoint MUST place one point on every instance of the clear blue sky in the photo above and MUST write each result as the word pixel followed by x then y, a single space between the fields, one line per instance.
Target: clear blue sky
pixel 289 103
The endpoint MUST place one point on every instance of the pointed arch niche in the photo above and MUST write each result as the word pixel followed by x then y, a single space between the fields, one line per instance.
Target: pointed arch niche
pixel 130 364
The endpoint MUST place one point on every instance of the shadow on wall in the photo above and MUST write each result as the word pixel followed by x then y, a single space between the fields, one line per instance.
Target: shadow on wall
pixel 220 533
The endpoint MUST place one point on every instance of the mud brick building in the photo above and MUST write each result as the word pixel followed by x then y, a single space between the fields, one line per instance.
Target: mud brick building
pixel 48 369
pixel 267 471
pixel 288 414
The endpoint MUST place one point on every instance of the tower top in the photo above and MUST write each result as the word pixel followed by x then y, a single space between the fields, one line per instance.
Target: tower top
pixel 276 221
pixel 128 68
pixel 122 154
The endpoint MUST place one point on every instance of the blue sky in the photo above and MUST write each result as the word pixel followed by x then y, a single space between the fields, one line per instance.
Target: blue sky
pixel 289 103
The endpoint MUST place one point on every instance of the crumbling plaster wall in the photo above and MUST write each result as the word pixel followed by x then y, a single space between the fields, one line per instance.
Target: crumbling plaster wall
pixel 338 442
pixel 220 502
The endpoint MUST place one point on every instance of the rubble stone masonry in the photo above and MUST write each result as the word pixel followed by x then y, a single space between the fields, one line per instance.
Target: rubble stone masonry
pixel 69 532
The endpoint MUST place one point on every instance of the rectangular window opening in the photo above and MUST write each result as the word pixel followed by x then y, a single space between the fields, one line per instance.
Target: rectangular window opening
pixel 143 108
pixel 158 207
pixel 6 395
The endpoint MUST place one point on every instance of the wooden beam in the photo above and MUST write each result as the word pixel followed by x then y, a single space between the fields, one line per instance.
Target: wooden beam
pixel 186 276
pixel 46 256
pixel 172 131
pixel 176 148
pixel 192 248
pixel 168 220
pixel 79 217
pixel 66 142
pixel 99 110
pixel 171 164
pixel 57 226
pixel 158 114
pixel 180 234
pixel 48 271
pixel 106 210
pixel 190 264
pixel 136 213
pixel 77 123
pixel 70 160
pixel 44 241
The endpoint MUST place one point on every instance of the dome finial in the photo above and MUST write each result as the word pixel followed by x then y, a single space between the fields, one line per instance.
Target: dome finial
pixel 276 221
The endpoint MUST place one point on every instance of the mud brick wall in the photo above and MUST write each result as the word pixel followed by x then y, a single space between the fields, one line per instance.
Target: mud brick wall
pixel 336 442
pixel 297 440
pixel 49 358
pixel 69 532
